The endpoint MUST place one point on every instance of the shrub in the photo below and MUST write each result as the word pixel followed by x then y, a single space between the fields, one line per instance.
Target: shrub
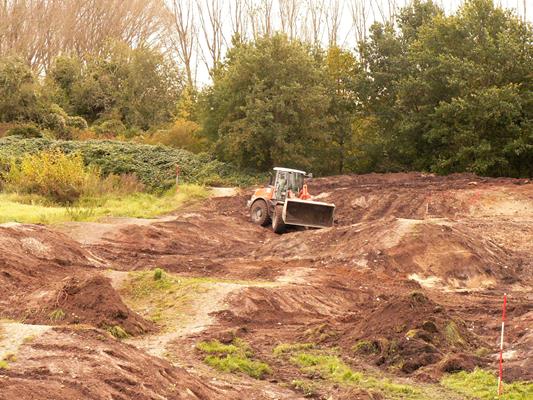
pixel 60 177
pixel 366 347
pixel 183 134
pixel 77 123
pixel 110 128
pixel 25 131
pixel 57 124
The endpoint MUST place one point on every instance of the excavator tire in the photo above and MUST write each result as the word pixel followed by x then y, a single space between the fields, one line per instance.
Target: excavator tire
pixel 259 213
pixel 278 225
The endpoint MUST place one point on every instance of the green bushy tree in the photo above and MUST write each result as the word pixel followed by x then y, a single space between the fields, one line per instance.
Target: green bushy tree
pixel 267 105
pixel 139 87
pixel 19 91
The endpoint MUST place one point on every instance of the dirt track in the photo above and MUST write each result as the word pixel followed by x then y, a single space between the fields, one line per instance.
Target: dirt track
pixel 413 260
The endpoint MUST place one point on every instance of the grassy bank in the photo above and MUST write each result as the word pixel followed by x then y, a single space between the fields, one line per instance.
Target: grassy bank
pixel 36 209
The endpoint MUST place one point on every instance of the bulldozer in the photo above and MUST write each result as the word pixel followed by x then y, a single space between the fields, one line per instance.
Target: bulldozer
pixel 285 202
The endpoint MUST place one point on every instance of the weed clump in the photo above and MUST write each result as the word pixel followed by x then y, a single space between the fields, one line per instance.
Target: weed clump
pixel 158 274
pixel 366 347
pixel 57 315
pixel 452 334
pixel 307 388
pixel 118 332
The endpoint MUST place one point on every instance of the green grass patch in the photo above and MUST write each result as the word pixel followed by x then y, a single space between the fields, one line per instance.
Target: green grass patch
pixel 164 298
pixel 483 385
pixel 332 368
pixel 36 209
pixel 216 347
pixel 4 364
pixel 288 348
pixel 235 358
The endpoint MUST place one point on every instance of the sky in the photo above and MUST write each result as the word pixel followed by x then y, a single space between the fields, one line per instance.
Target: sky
pixel 346 36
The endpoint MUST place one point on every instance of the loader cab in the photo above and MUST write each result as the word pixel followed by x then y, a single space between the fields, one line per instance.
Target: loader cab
pixel 285 179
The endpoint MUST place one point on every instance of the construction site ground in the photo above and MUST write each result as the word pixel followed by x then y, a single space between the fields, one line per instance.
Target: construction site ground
pixel 403 290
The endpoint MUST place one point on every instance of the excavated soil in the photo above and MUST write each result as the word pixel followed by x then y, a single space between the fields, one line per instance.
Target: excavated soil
pixel 408 284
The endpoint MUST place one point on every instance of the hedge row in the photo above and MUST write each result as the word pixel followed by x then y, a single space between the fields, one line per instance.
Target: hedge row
pixel 154 166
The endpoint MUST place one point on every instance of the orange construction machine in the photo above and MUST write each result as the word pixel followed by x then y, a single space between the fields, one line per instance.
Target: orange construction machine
pixel 286 202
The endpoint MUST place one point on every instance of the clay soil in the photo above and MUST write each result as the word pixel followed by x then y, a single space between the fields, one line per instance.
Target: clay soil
pixel 407 285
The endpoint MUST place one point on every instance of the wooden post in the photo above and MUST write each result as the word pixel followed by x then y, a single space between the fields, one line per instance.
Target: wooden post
pixel 177 177
pixel 500 377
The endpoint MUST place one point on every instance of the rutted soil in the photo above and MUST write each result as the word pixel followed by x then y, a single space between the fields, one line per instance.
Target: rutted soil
pixel 408 284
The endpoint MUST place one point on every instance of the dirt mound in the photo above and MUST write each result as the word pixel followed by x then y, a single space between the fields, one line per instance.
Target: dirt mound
pixel 91 301
pixel 31 253
pixel 206 234
pixel 32 258
pixel 290 305
pixel 67 363
pixel 419 196
pixel 433 252
pixel 412 331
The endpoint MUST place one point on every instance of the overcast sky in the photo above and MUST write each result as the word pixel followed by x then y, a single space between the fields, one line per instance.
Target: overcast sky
pixel 347 37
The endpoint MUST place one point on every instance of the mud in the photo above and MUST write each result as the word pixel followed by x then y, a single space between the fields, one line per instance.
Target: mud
pixel 408 283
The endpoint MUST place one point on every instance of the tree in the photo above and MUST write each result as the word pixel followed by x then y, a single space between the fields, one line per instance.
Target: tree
pixel 140 87
pixel 474 84
pixel 266 106
pixel 341 71
pixel 19 91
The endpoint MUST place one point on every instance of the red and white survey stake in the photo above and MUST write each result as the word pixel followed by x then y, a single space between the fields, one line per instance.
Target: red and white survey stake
pixel 500 378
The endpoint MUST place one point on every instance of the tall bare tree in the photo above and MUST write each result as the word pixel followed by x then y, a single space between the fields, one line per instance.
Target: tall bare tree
pixel 315 12
pixel 183 36
pixel 211 23
pixel 239 18
pixel 359 11
pixel 333 20
pixel 289 12
pixel 39 30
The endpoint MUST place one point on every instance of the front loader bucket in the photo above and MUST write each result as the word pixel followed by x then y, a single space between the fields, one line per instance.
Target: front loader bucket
pixel 313 214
